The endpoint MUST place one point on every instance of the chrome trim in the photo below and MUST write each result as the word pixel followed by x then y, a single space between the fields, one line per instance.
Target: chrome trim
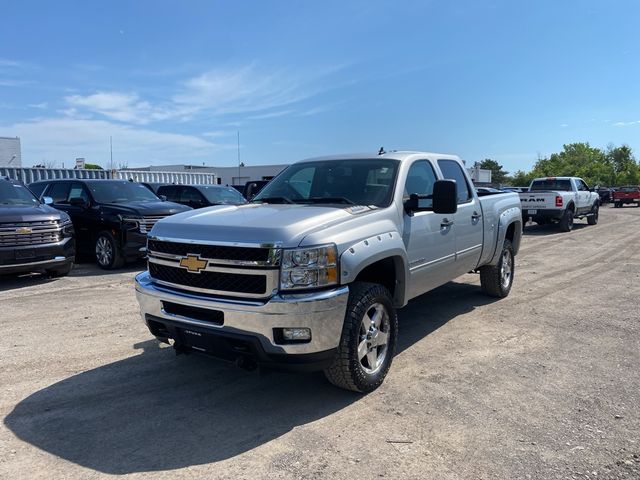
pixel 216 243
pixel 323 312
pixel 275 256
pixel 42 262
pixel 209 267
pixel 431 262
pixel 466 250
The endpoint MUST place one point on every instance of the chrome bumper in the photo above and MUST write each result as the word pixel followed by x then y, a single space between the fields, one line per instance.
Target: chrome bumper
pixel 323 312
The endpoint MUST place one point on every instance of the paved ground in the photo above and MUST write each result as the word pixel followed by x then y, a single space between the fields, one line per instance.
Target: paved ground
pixel 541 385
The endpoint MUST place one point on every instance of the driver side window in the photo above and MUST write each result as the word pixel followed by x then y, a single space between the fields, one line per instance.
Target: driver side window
pixel 420 180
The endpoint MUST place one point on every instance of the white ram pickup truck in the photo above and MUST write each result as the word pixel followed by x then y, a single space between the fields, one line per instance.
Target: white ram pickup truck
pixel 308 276
pixel 559 200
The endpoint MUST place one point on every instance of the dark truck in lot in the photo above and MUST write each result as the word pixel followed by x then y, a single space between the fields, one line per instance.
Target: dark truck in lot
pixel 111 217
pixel 199 196
pixel 33 236
pixel 625 195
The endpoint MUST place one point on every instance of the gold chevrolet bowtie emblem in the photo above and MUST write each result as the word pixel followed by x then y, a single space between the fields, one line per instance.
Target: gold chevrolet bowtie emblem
pixel 193 263
pixel 23 230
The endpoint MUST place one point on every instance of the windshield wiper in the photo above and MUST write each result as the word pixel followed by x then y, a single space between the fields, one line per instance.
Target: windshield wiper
pixel 329 200
pixel 273 200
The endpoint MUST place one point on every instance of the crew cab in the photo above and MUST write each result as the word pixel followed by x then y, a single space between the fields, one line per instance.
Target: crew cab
pixel 560 200
pixel 33 236
pixel 625 195
pixel 309 275
pixel 111 217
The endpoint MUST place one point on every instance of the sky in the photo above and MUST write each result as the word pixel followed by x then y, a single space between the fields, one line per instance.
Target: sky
pixel 175 82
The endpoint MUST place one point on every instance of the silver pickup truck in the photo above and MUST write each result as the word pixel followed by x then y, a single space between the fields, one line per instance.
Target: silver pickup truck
pixel 308 276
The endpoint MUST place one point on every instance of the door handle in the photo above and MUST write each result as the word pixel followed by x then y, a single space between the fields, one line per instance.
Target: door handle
pixel 476 216
pixel 446 223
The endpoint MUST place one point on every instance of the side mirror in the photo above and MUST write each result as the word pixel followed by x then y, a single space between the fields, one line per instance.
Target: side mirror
pixel 445 196
pixel 162 197
pixel 78 202
pixel 47 200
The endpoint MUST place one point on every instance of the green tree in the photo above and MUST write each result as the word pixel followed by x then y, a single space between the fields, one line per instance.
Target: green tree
pixel 577 160
pixel 92 166
pixel 626 169
pixel 498 174
pixel 520 179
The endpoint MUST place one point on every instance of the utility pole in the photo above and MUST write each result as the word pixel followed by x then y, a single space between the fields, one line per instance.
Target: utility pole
pixel 239 157
pixel 111 152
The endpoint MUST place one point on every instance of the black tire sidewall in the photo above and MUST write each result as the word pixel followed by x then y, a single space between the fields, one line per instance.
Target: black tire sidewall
pixel 114 249
pixel 361 298
pixel 507 247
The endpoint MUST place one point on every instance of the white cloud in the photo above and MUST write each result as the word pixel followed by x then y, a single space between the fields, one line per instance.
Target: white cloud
pixel 626 124
pixel 216 92
pixel 40 106
pixel 63 139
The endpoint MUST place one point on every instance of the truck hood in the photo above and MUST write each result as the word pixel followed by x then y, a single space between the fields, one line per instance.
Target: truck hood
pixel 27 213
pixel 255 223
pixel 146 208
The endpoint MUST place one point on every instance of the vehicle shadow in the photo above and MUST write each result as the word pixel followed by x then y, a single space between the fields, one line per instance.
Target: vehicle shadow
pixel 552 229
pixel 155 411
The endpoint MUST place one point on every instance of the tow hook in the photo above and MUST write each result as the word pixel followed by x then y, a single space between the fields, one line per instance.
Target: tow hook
pixel 246 363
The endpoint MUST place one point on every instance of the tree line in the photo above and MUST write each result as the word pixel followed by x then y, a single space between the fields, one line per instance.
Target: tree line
pixel 612 167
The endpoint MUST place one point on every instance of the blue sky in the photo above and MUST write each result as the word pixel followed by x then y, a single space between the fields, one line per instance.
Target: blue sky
pixel 172 82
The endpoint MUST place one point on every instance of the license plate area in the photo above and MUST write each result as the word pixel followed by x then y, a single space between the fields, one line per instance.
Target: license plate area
pixel 24 253
pixel 532 212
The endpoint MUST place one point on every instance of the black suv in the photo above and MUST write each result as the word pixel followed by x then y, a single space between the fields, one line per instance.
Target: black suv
pixel 198 196
pixel 111 217
pixel 33 236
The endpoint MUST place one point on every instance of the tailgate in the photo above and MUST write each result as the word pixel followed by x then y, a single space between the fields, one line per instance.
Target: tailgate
pixel 538 201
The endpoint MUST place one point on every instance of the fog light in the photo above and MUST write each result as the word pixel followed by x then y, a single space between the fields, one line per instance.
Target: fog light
pixel 296 334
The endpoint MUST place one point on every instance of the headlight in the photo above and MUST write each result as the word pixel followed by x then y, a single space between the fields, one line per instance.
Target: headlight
pixel 129 223
pixel 67 226
pixel 309 267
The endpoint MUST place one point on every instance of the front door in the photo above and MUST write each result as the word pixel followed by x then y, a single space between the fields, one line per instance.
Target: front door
pixel 428 237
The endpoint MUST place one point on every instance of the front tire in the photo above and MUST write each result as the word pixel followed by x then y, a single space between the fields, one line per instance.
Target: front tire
pixel 593 218
pixel 497 280
pixel 108 255
pixel 368 340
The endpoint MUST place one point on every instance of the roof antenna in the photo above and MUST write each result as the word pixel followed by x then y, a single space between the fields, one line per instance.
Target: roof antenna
pixel 381 151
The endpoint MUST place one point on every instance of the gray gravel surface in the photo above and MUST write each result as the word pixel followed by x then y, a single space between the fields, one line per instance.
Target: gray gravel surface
pixel 541 385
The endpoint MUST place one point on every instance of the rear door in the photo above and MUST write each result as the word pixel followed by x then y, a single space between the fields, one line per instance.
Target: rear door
pixel 85 219
pixel 428 239
pixel 468 226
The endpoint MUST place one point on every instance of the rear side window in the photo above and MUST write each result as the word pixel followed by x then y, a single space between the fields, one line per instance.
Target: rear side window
pixel 451 170
pixel 59 192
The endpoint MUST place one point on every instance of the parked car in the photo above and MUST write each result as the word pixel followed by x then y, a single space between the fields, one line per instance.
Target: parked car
pixel 33 236
pixel 198 196
pixel 560 200
pixel 606 195
pixel 515 189
pixel 309 275
pixel 153 186
pixel 625 195
pixel 487 191
pixel 111 217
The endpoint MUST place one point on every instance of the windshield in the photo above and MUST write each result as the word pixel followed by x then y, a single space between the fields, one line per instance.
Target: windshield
pixel 15 194
pixel 121 192
pixel 347 182
pixel 225 195
pixel 551 184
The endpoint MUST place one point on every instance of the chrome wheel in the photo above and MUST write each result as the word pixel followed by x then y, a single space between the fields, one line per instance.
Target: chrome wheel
pixel 104 251
pixel 506 269
pixel 374 338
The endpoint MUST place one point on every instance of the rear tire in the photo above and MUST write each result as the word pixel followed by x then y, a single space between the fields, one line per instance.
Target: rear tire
pixel 497 280
pixel 108 255
pixel 368 340
pixel 566 222
pixel 593 218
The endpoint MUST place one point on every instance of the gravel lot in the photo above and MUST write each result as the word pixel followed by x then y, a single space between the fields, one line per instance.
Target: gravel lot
pixel 544 384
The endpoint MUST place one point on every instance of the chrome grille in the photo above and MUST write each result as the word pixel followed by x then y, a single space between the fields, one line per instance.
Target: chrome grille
pixel 228 270
pixel 30 233
pixel 147 223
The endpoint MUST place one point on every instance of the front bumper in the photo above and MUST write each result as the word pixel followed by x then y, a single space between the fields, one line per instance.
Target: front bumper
pixel 134 245
pixel 322 312
pixel 34 258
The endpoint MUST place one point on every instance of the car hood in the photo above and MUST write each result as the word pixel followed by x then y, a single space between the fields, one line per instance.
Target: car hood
pixel 146 208
pixel 286 225
pixel 27 213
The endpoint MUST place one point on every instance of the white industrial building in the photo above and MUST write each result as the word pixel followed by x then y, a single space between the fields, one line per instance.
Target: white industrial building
pixel 10 153
pixel 238 175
